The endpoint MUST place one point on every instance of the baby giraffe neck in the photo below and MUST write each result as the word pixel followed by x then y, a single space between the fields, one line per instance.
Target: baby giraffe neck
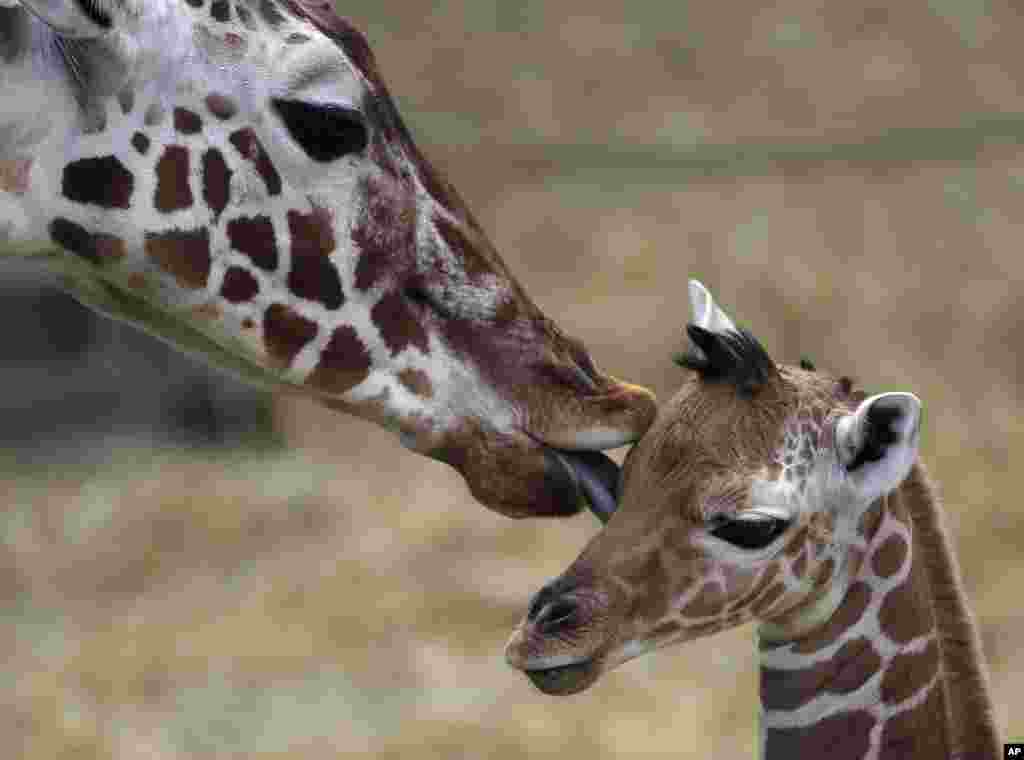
pixel 882 678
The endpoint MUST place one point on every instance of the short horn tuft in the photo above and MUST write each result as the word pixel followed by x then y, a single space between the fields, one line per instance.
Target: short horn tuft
pixel 733 356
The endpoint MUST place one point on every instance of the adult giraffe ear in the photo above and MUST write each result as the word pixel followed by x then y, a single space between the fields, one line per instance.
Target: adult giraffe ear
pixel 877 444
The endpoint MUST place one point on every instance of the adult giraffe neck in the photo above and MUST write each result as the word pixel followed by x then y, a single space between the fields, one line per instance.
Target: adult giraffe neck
pixel 896 671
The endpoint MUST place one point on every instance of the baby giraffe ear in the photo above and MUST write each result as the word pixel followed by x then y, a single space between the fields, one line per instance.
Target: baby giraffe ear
pixel 705 313
pixel 877 444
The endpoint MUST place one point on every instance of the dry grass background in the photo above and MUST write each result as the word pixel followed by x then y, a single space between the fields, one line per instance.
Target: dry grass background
pixel 845 176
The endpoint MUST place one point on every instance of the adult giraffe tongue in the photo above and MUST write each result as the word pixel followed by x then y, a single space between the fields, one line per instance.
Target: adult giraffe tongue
pixel 595 476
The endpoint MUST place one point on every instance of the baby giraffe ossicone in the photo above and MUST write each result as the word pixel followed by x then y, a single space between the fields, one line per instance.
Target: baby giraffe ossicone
pixel 780 495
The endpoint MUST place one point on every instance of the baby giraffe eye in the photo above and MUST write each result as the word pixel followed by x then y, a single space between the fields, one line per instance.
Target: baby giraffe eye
pixel 749 530
pixel 325 131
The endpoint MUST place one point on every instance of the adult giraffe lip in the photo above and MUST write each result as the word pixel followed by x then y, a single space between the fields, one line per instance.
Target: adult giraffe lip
pixel 593 475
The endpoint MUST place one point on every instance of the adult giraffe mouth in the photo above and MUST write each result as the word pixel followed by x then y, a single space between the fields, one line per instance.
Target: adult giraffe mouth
pixel 593 476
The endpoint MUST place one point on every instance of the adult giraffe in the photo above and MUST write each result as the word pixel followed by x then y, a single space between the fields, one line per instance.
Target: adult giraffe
pixel 779 494
pixel 232 176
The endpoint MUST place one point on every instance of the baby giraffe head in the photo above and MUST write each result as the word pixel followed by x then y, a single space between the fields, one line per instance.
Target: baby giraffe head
pixel 748 499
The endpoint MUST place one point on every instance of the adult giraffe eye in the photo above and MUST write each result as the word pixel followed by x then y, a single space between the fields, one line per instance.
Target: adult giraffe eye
pixel 326 132
pixel 752 530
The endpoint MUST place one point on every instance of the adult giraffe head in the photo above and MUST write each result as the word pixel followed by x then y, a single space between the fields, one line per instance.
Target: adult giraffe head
pixel 778 494
pixel 233 176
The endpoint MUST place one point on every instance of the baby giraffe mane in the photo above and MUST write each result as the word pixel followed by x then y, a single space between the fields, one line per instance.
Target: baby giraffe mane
pixel 968 707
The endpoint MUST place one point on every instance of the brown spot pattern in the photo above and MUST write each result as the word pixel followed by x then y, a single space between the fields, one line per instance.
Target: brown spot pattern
pixel 849 668
pixel 846 736
pixel 344 363
pixel 216 182
pixel 254 236
pixel 221 106
pixel 103 182
pixel 312 274
pixel 187 122
pixel 908 673
pixel 917 733
pixel 888 558
pixel 849 612
pixel 239 286
pixel 95 248
pixel 398 325
pixel 172 188
pixel 285 332
pixel 902 616
pixel 185 255
pixel 250 148
pixel 416 382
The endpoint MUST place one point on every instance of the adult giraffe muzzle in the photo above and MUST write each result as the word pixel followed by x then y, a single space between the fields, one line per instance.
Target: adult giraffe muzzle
pixel 232 176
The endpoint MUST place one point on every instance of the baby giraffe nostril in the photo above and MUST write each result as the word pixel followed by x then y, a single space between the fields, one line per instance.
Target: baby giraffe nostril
pixel 557 615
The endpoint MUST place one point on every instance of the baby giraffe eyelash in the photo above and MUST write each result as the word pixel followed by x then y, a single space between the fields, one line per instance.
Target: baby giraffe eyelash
pixel 752 529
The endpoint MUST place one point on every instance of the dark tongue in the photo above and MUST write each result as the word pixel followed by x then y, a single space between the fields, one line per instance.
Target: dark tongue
pixel 598 477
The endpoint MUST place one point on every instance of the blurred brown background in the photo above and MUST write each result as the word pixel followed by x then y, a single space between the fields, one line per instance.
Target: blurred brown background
pixel 846 177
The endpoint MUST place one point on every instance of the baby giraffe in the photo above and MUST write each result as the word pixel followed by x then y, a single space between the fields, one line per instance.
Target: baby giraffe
pixel 779 494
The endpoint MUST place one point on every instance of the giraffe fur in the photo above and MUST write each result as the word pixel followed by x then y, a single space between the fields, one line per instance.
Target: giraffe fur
pixel 796 503
pixel 234 177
